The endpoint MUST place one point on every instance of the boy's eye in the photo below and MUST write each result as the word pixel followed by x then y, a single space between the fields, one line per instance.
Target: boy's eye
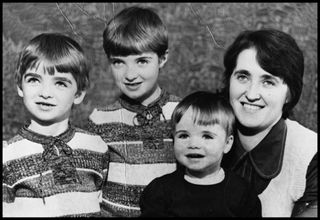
pixel 32 80
pixel 183 136
pixel 61 84
pixel 207 136
pixel 143 61
pixel 116 62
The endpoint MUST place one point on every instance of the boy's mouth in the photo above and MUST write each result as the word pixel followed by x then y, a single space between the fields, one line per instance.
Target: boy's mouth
pixel 45 104
pixel 133 84
pixel 193 155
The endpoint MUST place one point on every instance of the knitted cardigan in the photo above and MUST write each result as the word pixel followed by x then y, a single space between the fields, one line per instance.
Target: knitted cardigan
pixel 45 176
pixel 141 149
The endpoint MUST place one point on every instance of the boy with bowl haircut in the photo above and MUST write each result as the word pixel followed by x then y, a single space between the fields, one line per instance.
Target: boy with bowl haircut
pixel 51 168
pixel 203 131
pixel 137 126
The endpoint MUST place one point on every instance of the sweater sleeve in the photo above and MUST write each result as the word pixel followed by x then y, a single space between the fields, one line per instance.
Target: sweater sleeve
pixel 152 200
pixel 8 191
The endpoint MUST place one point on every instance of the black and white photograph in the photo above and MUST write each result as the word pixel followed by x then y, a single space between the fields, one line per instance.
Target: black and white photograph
pixel 149 109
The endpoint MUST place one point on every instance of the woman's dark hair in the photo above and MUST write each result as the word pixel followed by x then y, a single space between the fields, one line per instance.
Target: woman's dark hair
pixel 133 31
pixel 277 53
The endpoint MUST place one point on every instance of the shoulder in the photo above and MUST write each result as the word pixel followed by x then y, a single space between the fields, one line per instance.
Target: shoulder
pixel 18 147
pixel 299 131
pixel 173 98
pixel 170 105
pixel 111 107
pixel 88 140
pixel 100 114
pixel 301 141
pixel 165 181
pixel 14 139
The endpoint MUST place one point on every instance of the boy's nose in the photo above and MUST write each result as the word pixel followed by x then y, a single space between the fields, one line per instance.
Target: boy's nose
pixel 45 91
pixel 131 73
pixel 131 76
pixel 194 143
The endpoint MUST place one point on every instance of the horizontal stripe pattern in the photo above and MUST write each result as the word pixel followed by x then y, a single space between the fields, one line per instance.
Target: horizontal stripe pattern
pixel 26 193
pixel 29 187
pixel 125 196
pixel 62 204
pixel 119 131
pixel 138 153
pixel 141 174
pixel 19 147
pixel 110 209
pixel 14 170
pixel 108 116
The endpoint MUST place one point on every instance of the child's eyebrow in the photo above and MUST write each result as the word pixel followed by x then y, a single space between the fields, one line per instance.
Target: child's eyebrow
pixel 65 79
pixel 241 71
pixel 209 132
pixel 179 131
pixel 115 58
pixel 31 75
pixel 144 57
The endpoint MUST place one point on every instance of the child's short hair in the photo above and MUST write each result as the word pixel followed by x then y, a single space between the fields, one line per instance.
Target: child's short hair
pixel 133 31
pixel 208 109
pixel 58 52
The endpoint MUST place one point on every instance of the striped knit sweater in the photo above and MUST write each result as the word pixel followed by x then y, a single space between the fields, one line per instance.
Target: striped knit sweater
pixel 141 149
pixel 45 176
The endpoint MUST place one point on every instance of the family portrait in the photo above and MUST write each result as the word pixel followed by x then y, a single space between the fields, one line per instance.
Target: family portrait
pixel 159 110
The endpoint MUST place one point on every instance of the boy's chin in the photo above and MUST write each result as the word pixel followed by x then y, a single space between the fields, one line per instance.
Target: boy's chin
pixel 137 98
pixel 46 121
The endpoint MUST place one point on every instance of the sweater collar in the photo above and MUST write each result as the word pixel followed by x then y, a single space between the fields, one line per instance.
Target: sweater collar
pixel 137 107
pixel 57 155
pixel 146 115
pixel 44 139
pixel 267 156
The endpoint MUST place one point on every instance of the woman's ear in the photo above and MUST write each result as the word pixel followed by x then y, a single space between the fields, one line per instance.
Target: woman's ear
pixel 229 143
pixel 163 59
pixel 20 92
pixel 79 96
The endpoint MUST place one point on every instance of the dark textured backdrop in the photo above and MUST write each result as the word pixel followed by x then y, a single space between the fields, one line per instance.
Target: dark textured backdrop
pixel 198 36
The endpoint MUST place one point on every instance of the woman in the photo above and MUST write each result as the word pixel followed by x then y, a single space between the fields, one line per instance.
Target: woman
pixel 263 76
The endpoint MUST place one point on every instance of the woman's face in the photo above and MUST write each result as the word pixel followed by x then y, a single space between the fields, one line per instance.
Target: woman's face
pixel 257 97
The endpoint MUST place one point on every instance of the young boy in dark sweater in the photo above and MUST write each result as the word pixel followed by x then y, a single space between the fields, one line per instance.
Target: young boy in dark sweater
pixel 203 131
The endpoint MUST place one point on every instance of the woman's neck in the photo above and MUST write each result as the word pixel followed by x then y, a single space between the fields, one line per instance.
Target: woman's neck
pixel 249 142
pixel 54 129
pixel 250 138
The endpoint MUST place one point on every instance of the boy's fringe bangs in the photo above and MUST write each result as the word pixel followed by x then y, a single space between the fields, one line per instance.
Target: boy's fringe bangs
pixel 128 45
